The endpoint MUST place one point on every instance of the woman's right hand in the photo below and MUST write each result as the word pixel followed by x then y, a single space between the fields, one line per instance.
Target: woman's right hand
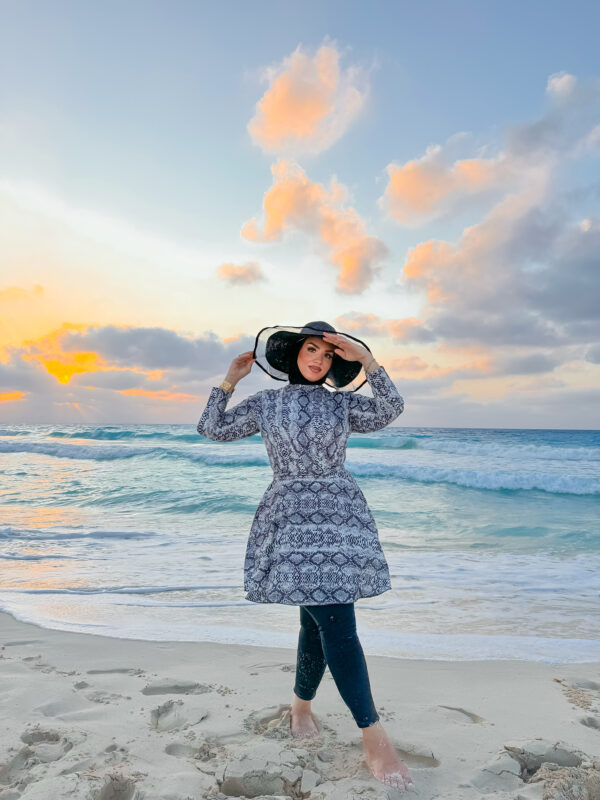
pixel 240 367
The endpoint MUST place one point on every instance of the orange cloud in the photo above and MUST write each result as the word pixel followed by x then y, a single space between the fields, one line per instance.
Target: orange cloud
pixel 424 263
pixel 243 274
pixel 161 394
pixel 407 367
pixel 233 338
pixel 48 352
pixel 62 364
pixel 421 188
pixel 409 328
pixel 309 103
pixel 10 397
pixel 295 203
pixel 360 324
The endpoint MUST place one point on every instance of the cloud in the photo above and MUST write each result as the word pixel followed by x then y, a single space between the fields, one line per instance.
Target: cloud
pixel 241 275
pixel 561 84
pixel 426 187
pixel 414 364
pixel 531 364
pixel 309 104
pixel 590 142
pixel 296 203
pixel 593 354
pixel 528 273
pixel 117 374
pixel 528 408
pixel 439 184
pixel 408 329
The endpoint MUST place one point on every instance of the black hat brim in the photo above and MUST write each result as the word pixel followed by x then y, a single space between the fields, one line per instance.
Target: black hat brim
pixel 274 344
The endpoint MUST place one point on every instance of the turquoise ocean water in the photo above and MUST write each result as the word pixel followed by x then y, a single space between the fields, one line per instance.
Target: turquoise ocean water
pixel 492 537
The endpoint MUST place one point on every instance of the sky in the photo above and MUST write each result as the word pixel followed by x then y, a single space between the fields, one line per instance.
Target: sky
pixel 176 176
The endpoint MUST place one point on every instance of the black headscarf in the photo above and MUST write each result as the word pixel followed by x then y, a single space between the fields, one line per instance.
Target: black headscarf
pixel 294 374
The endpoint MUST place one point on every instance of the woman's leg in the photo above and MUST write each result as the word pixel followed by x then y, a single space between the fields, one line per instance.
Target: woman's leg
pixel 346 660
pixel 310 666
pixel 310 660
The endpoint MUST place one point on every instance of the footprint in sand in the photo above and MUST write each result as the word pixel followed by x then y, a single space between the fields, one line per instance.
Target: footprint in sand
pixel 199 752
pixel 111 755
pixel 117 788
pixel 105 697
pixel 172 686
pixel 173 715
pixel 34 663
pixel 42 746
pixel 274 722
pixel 22 641
pixel 48 744
pixel 530 755
pixel 117 671
pixel 590 722
pixel 63 706
pixel 468 714
pixel 15 770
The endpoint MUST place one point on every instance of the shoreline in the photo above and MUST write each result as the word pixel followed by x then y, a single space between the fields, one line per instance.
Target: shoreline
pixel 538 649
pixel 180 720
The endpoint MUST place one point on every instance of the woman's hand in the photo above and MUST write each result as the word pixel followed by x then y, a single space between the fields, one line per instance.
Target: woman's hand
pixel 348 349
pixel 240 367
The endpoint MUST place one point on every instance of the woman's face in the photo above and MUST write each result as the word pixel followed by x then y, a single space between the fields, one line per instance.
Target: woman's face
pixel 315 357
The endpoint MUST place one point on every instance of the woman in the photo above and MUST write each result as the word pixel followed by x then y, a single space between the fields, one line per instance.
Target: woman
pixel 313 540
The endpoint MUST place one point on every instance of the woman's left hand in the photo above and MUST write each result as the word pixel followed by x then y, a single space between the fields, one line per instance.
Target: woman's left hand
pixel 347 349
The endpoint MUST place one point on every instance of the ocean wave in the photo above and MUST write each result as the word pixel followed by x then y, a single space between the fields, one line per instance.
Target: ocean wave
pixel 30 557
pixel 83 451
pixel 112 434
pixel 384 443
pixel 470 448
pixel 479 479
pixel 95 452
pixel 43 535
pixel 119 450
pixel 89 590
pixel 518 451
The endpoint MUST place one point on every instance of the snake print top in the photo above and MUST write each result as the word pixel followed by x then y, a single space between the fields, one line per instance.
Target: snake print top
pixel 313 539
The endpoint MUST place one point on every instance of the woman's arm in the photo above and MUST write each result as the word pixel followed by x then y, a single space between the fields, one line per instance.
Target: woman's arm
pixel 369 414
pixel 225 426
pixel 240 421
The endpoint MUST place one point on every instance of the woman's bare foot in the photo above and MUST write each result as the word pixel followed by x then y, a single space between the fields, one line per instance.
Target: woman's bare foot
pixel 384 762
pixel 302 722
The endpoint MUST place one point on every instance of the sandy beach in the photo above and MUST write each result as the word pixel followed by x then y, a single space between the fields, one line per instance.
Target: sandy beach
pixel 99 718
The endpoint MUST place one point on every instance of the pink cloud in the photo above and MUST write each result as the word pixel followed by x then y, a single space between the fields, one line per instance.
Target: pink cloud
pixel 309 104
pixel 296 203
pixel 425 187
pixel 242 274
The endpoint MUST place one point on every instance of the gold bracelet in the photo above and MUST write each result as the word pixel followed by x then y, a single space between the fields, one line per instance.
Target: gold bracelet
pixel 227 385
pixel 371 362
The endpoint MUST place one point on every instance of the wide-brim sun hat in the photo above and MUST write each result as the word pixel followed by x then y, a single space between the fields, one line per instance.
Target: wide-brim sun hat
pixel 275 344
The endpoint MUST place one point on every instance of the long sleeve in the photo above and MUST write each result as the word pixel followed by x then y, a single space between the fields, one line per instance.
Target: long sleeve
pixel 225 426
pixel 369 414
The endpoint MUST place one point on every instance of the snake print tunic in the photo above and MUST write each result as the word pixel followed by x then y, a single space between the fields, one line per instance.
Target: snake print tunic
pixel 313 539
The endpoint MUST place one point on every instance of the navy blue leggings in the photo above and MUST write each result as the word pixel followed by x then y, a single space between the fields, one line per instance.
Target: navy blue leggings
pixel 328 636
